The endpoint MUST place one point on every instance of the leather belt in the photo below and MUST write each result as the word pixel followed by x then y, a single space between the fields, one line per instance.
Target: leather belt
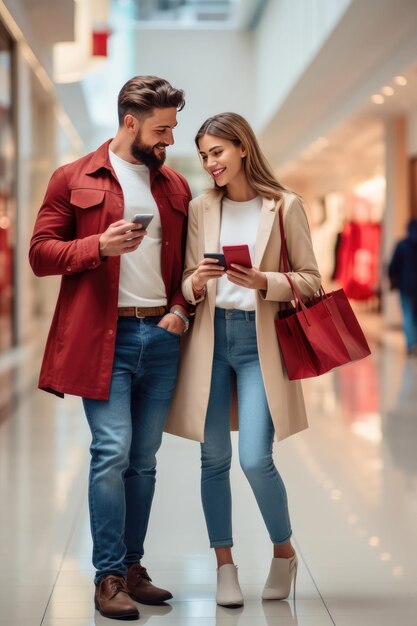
pixel 141 311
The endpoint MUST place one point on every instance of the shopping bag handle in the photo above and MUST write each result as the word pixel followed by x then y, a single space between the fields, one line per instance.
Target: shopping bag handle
pixel 299 304
pixel 283 256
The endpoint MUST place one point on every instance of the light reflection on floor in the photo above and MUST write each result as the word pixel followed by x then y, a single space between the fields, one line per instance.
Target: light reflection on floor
pixel 352 486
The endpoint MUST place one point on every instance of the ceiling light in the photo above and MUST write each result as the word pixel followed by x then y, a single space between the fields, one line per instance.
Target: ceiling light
pixel 397 571
pixel 387 91
pixel 377 98
pixel 319 144
pixel 400 80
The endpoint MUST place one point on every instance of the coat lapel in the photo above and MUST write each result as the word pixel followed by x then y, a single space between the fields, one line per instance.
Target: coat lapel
pixel 266 220
pixel 212 216
pixel 212 219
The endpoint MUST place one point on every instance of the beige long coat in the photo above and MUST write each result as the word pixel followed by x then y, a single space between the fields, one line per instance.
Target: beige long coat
pixel 285 399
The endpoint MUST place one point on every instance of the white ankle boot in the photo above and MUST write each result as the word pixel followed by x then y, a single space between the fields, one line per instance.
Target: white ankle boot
pixel 229 592
pixel 281 575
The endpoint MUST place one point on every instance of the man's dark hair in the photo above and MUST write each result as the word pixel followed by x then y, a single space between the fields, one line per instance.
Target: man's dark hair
pixel 141 94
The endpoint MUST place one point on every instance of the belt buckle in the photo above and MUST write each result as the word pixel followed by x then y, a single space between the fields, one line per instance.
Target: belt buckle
pixel 139 317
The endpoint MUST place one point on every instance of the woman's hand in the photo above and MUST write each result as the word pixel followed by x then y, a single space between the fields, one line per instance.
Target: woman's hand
pixel 206 269
pixel 249 277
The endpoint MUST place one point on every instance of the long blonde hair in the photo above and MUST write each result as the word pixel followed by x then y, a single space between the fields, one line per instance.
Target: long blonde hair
pixel 235 128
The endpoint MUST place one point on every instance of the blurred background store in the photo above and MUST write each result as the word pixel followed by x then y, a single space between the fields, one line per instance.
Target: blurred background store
pixel 330 87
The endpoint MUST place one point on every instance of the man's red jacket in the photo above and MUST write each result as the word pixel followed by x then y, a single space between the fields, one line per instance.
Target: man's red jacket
pixel 83 198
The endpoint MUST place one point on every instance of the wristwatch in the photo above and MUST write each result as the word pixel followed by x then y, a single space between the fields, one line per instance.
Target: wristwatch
pixel 183 317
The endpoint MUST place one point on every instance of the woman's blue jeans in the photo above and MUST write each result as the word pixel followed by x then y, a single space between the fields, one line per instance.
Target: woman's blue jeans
pixel 236 352
pixel 126 434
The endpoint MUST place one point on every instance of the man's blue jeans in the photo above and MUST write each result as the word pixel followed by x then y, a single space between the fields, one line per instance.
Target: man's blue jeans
pixel 126 434
pixel 236 351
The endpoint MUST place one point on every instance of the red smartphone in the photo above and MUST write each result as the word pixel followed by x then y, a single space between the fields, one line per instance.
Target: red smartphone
pixel 237 254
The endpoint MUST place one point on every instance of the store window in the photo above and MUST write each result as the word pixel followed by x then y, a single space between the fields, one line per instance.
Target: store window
pixel 7 201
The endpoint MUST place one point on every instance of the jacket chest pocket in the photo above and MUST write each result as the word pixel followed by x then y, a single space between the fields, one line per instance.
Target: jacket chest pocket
pixel 179 204
pixel 177 212
pixel 173 211
pixel 87 198
pixel 92 208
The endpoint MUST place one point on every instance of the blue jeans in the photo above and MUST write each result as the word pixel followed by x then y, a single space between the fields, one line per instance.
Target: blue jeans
pixel 409 320
pixel 126 434
pixel 236 352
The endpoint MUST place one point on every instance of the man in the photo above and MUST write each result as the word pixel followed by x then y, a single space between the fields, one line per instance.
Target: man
pixel 114 338
pixel 402 272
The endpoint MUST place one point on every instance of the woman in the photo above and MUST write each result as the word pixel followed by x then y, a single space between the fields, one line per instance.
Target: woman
pixel 233 346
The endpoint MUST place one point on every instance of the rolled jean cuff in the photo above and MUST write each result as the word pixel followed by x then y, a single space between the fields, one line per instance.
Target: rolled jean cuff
pixel 99 577
pixel 282 541
pixel 224 543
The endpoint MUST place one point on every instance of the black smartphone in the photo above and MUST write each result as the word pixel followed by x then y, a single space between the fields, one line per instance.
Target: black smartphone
pixel 216 255
pixel 142 218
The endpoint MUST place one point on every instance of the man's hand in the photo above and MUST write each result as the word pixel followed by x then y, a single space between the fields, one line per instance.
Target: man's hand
pixel 251 278
pixel 173 323
pixel 121 237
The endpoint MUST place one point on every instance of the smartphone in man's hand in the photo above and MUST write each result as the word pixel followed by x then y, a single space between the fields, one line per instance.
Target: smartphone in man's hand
pixel 142 218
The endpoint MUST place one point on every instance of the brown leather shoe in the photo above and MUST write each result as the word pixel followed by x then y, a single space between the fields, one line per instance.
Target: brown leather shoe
pixel 141 588
pixel 112 599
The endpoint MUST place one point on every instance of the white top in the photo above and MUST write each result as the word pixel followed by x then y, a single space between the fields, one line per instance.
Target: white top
pixel 239 225
pixel 140 282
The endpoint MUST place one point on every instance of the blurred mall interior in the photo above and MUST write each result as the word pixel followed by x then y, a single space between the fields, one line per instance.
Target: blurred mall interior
pixel 330 87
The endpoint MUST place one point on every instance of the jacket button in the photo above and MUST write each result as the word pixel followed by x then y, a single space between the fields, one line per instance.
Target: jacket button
pixel 68 269
pixel 166 243
pixel 110 332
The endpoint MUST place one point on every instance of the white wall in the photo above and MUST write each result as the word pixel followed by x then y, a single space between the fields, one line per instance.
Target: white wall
pixel 215 69
pixel 287 38
pixel 246 72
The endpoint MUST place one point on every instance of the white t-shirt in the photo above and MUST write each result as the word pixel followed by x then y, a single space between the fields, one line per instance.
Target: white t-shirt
pixel 239 225
pixel 140 282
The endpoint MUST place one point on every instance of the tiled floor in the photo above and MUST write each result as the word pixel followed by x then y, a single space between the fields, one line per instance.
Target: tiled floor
pixel 352 485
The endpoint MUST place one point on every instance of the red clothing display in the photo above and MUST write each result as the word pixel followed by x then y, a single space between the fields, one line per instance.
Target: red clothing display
pixel 83 198
pixel 358 260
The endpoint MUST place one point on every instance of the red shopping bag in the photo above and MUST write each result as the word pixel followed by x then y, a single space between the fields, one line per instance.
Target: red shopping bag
pixel 309 339
pixel 347 324
pixel 320 335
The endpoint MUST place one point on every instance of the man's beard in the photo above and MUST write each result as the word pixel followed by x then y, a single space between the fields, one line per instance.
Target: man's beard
pixel 146 155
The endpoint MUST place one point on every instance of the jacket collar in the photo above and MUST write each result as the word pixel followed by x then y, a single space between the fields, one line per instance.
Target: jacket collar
pixel 100 159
